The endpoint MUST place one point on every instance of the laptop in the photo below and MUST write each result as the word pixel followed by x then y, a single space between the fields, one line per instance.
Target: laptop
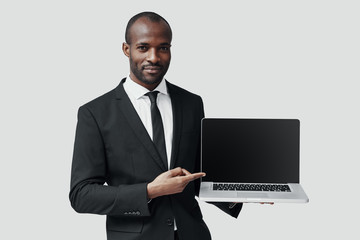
pixel 251 160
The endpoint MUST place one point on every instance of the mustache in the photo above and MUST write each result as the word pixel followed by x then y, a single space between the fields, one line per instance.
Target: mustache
pixel 152 65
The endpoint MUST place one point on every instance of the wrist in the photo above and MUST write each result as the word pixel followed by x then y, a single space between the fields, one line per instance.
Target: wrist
pixel 151 191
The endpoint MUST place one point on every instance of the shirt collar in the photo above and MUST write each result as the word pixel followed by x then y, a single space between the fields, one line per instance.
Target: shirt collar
pixel 138 91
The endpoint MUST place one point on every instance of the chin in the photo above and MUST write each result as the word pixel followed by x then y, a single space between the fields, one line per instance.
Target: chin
pixel 151 81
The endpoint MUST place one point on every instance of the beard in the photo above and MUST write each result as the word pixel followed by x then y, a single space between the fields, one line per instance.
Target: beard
pixel 151 79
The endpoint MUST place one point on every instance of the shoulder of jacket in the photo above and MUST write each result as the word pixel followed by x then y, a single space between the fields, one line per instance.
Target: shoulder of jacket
pixel 181 91
pixel 101 101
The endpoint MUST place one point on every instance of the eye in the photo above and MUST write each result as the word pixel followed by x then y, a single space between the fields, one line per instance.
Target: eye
pixel 142 48
pixel 164 49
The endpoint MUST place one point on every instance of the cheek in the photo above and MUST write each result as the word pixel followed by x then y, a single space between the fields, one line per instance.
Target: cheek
pixel 134 61
pixel 166 58
pixel 136 58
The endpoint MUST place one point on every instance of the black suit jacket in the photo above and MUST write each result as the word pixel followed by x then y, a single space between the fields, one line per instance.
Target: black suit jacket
pixel 112 146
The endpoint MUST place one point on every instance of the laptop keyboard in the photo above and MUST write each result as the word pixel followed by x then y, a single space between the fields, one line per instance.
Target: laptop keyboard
pixel 251 187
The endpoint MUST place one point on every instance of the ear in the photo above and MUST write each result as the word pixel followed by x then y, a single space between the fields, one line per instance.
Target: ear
pixel 126 49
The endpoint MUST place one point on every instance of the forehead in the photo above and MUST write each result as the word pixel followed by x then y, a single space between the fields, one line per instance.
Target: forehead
pixel 146 31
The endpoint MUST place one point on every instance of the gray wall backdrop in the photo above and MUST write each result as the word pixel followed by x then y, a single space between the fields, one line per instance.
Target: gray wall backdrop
pixel 273 59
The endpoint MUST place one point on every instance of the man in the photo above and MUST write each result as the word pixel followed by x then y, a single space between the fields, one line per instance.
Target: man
pixel 130 137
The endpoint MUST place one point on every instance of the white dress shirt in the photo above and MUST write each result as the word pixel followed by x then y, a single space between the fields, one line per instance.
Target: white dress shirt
pixel 142 104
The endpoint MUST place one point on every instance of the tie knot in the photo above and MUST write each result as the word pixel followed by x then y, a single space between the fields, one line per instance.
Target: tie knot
pixel 152 96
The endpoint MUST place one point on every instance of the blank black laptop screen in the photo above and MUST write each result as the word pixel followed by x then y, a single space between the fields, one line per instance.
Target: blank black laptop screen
pixel 250 150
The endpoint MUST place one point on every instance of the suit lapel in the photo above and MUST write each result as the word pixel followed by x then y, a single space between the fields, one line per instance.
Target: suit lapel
pixel 136 124
pixel 177 122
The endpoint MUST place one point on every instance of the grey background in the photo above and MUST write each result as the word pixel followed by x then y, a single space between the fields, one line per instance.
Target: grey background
pixel 278 59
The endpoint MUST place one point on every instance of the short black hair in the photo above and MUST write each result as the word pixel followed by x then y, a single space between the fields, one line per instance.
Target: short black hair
pixel 153 17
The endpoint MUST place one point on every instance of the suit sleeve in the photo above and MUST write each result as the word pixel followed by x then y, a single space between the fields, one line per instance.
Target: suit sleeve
pixel 88 194
pixel 224 206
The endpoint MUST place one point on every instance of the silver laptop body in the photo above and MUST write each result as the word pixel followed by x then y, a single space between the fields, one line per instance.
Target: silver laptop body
pixel 251 160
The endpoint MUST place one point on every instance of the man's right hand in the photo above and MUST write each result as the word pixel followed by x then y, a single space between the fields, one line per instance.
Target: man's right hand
pixel 171 182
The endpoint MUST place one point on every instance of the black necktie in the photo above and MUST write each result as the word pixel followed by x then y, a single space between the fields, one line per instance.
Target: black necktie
pixel 158 128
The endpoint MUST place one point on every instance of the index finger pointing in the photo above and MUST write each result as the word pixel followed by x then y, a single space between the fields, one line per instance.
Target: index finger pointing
pixel 186 172
pixel 194 176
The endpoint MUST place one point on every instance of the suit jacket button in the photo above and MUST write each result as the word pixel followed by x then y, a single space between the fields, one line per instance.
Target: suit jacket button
pixel 138 213
pixel 169 222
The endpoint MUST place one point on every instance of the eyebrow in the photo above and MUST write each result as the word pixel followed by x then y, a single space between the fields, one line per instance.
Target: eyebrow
pixel 146 44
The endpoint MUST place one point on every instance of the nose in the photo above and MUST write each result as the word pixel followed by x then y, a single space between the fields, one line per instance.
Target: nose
pixel 153 56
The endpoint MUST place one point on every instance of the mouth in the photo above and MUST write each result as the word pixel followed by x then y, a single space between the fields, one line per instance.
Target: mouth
pixel 152 69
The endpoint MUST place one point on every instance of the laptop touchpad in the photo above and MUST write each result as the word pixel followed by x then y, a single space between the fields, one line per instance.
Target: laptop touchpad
pixel 252 195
